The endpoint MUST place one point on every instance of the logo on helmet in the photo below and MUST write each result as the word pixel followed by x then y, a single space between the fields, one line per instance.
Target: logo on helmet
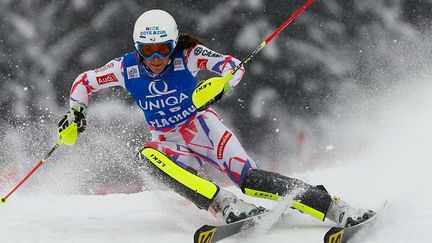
pixel 151 31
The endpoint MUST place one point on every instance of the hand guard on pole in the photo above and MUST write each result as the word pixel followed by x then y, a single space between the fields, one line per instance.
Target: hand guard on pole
pixel 72 123
pixel 214 87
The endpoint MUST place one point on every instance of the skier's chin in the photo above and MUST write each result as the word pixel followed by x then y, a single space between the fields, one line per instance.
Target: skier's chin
pixel 157 68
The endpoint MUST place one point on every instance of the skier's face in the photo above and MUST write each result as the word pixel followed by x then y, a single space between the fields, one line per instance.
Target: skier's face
pixel 156 56
pixel 156 64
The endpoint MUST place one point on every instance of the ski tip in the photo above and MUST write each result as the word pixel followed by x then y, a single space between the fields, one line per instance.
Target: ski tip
pixel 334 235
pixel 204 234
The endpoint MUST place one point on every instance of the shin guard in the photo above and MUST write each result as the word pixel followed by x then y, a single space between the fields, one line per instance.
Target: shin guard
pixel 186 183
pixel 313 200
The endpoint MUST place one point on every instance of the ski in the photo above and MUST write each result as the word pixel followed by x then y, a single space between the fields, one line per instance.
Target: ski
pixel 342 235
pixel 210 233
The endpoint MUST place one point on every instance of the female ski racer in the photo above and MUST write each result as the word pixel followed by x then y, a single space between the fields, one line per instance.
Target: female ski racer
pixel 160 77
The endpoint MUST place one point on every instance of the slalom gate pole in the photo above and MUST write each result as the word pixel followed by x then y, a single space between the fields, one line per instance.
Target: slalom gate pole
pixel 3 199
pixel 272 36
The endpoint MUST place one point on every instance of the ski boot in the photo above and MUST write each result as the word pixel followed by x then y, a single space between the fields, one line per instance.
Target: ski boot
pixel 232 209
pixel 344 215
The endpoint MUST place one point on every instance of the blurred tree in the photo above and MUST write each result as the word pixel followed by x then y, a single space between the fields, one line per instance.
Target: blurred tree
pixel 45 44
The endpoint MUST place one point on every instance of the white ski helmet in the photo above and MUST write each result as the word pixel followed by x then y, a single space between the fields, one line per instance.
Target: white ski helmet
pixel 155 26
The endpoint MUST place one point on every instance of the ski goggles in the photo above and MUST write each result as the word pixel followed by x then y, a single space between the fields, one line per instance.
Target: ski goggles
pixel 161 50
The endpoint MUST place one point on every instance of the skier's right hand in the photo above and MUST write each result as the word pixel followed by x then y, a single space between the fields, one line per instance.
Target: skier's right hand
pixel 72 123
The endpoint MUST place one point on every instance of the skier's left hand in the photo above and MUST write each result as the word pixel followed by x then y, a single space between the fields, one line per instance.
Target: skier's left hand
pixel 221 80
pixel 211 91
pixel 227 88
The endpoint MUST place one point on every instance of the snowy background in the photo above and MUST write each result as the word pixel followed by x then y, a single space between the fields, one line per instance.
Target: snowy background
pixel 342 97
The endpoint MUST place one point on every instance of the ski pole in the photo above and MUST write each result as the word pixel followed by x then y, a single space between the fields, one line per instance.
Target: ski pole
pixel 272 36
pixel 3 199
pixel 212 89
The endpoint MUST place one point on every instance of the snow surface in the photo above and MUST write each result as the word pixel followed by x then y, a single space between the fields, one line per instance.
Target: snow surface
pixel 395 167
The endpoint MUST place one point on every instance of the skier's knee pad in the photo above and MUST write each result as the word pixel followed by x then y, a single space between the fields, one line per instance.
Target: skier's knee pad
pixel 313 200
pixel 198 190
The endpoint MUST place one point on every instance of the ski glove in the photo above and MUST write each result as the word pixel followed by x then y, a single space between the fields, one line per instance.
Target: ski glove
pixel 72 123
pixel 211 91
